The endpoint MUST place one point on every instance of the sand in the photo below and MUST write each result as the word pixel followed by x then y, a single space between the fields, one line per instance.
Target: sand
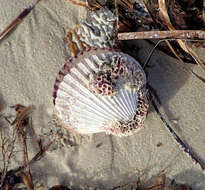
pixel 30 58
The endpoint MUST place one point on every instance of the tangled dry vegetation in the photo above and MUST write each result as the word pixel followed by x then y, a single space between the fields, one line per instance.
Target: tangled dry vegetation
pixel 174 25
pixel 20 129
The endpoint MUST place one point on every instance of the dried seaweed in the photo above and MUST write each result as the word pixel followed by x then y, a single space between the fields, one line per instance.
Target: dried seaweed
pixel 20 126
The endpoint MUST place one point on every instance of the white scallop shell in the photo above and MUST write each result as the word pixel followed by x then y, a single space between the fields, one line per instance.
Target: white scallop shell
pixel 101 91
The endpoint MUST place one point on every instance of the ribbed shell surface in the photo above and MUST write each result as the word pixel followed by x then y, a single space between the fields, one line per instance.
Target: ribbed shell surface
pixel 118 108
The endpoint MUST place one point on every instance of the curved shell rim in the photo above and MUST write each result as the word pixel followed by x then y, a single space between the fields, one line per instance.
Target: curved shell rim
pixel 72 61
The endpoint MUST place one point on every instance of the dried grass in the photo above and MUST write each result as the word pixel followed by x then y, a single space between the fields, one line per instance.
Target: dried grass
pixel 20 127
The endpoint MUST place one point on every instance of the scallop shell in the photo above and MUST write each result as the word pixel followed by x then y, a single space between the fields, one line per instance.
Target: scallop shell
pixel 101 90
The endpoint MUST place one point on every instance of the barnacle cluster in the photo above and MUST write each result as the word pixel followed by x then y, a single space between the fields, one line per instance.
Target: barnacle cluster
pixel 106 81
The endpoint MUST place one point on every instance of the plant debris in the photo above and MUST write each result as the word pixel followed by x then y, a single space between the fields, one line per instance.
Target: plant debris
pixel 20 126
pixel 18 19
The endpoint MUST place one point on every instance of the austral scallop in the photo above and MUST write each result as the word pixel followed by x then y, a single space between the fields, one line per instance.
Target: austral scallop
pixel 101 90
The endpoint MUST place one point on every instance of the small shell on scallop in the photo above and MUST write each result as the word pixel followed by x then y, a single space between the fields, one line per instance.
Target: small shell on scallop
pixel 98 30
pixel 101 90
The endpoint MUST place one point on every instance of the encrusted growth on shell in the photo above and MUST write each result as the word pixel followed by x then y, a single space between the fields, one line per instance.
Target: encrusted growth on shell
pixel 98 30
pixel 112 75
pixel 105 82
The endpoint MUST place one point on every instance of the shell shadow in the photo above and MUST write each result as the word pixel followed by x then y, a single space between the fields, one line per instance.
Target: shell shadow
pixel 164 73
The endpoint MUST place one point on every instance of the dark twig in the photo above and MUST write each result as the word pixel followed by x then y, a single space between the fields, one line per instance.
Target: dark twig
pixel 185 148
pixel 18 19
pixel 187 69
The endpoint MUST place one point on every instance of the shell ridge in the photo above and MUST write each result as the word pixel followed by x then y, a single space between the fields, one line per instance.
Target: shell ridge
pixel 88 118
pixel 85 63
pixel 132 100
pixel 80 81
pixel 106 107
pixel 134 97
pixel 91 109
pixel 117 106
pixel 90 64
pixel 80 71
pixel 115 99
pixel 86 102
pixel 85 96
pixel 95 60
pixel 129 101
pixel 111 105
pixel 121 99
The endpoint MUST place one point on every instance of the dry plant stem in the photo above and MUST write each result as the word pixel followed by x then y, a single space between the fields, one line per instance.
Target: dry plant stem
pixel 22 113
pixel 183 45
pixel 26 175
pixel 22 126
pixel 18 19
pixel 173 51
pixel 27 180
pixel 7 151
pixel 77 2
pixel 135 185
pixel 38 142
pixel 129 4
pixel 40 154
pixel 159 183
pixel 177 34
pixel 178 57
pixel 185 148
pixel 37 157
pixel 22 123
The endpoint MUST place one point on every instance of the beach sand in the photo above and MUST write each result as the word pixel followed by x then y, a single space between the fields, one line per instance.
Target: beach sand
pixel 30 58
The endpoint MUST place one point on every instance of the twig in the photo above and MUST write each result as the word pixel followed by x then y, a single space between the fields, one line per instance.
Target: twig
pixel 173 51
pixel 177 34
pixel 128 4
pixel 80 3
pixel 185 148
pixel 18 19
pixel 22 123
pixel 7 151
